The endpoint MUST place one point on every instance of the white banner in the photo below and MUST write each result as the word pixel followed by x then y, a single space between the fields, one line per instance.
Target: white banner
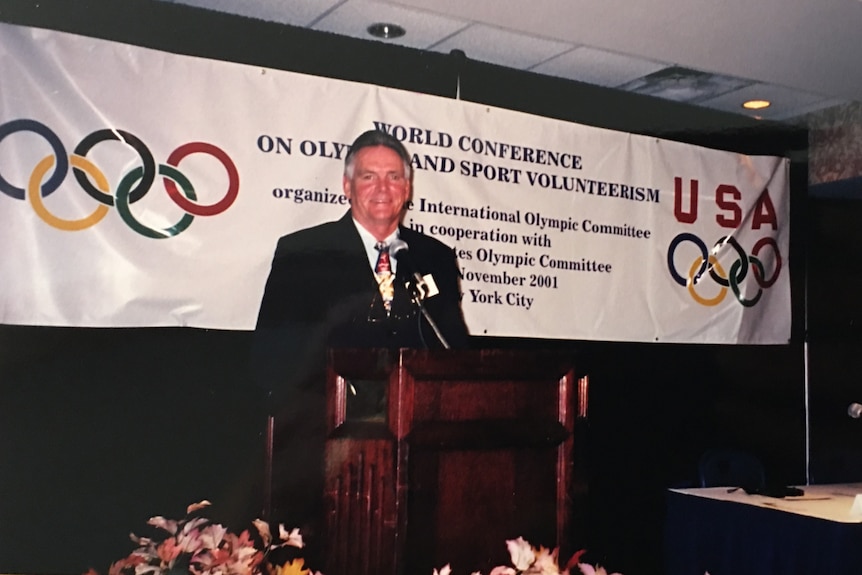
pixel 142 188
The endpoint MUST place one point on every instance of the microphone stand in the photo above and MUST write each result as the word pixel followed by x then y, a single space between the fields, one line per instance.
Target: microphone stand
pixel 419 288
pixel 398 248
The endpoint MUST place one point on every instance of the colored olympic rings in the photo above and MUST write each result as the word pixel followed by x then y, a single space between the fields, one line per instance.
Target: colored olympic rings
pixel 692 273
pixel 191 207
pixel 759 273
pixel 133 186
pixel 35 196
pixel 708 262
pixel 149 163
pixel 124 198
pixel 59 152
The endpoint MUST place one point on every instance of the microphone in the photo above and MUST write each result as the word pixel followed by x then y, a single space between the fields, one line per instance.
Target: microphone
pixel 854 410
pixel 401 251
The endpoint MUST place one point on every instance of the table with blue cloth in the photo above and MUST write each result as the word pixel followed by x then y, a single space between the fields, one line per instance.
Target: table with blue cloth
pixel 725 531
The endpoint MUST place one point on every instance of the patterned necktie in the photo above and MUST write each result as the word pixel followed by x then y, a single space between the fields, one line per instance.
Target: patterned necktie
pixel 385 277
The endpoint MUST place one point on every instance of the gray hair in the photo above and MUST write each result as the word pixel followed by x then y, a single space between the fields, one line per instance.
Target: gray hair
pixel 373 138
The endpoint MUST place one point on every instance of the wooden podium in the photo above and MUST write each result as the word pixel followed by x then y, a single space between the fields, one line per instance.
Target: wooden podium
pixel 436 457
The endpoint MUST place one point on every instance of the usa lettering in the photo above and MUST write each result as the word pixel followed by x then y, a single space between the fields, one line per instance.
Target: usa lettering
pixel 727 201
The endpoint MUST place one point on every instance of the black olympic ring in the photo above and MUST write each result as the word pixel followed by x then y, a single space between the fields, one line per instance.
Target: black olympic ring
pixel 741 255
pixel 149 175
pixel 59 152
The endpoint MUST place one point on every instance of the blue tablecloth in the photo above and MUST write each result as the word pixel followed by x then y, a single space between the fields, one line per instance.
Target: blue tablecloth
pixel 724 537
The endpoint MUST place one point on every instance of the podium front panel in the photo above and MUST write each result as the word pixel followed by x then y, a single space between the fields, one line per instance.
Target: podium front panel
pixel 475 448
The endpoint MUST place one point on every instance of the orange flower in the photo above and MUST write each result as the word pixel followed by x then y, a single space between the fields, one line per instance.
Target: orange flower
pixel 168 551
pixel 295 567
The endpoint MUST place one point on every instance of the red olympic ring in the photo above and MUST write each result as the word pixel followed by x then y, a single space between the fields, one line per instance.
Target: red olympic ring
pixel 190 206
pixel 764 283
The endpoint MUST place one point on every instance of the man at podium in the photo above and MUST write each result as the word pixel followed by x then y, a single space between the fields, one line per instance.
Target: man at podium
pixel 363 281
pixel 355 282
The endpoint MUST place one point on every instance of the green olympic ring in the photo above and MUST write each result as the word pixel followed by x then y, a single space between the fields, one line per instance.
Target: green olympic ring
pixel 122 202
pixel 734 284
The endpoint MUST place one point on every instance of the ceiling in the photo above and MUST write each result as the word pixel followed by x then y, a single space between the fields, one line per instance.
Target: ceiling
pixel 802 55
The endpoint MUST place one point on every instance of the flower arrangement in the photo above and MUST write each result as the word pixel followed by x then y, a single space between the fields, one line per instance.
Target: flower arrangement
pixel 527 560
pixel 197 546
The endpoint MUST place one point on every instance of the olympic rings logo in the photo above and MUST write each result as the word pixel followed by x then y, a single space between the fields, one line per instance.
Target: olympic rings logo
pixel 133 186
pixel 708 263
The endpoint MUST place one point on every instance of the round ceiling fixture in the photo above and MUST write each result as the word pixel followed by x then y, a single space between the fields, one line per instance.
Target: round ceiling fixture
pixel 386 31
pixel 756 104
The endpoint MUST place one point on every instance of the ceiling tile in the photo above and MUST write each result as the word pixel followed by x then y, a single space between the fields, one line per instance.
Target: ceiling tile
pixel 423 28
pixel 499 32
pixel 498 46
pixel 786 102
pixel 598 67
pixel 295 12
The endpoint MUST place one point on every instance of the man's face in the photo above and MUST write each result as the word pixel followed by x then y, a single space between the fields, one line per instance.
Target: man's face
pixel 378 189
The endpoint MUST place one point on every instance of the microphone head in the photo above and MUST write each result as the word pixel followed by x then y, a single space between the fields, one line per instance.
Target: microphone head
pixel 854 410
pixel 398 247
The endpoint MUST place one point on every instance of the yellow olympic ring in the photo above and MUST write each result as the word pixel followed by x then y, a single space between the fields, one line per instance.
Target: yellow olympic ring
pixel 691 272
pixel 35 196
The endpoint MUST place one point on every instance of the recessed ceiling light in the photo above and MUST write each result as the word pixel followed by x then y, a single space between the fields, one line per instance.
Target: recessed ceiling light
pixel 756 104
pixel 386 31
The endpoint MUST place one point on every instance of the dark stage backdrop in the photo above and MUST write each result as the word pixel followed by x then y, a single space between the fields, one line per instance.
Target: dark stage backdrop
pixel 101 429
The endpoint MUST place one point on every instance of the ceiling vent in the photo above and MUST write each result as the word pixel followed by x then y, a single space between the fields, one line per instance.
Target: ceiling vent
pixel 684 85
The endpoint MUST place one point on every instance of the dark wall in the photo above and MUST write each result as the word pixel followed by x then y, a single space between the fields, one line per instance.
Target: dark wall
pixel 101 429
pixel 835 338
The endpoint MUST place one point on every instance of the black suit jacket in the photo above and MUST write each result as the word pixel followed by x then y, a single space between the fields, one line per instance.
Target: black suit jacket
pixel 322 293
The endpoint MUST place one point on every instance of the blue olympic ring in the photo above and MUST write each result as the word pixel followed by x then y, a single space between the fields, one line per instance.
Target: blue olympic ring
pixel 704 254
pixel 60 170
